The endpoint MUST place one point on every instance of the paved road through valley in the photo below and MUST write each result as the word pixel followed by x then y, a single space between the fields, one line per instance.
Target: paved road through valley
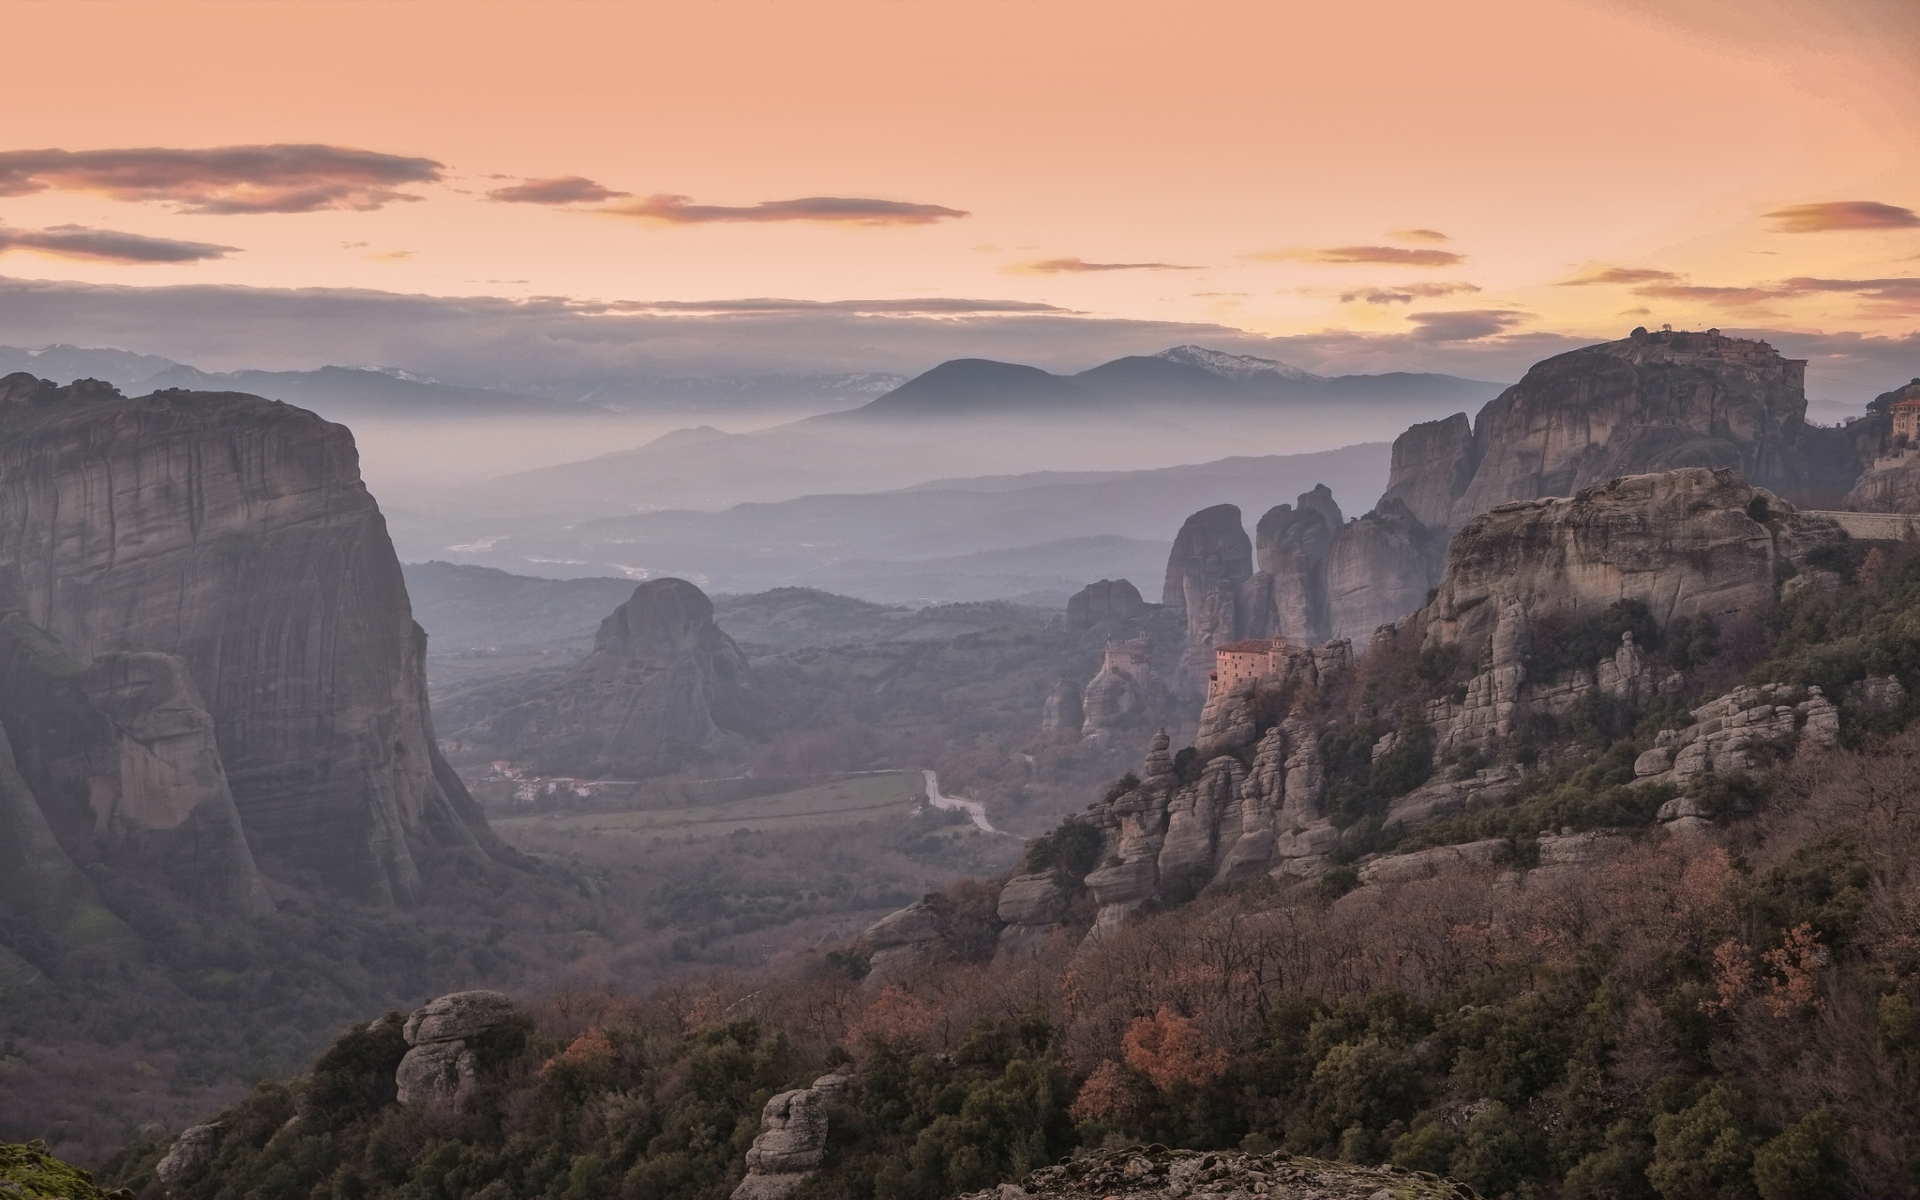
pixel 973 808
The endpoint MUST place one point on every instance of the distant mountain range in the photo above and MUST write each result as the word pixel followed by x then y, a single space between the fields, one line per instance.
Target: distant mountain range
pixel 1039 537
pixel 1181 377
pixel 345 393
pixel 337 393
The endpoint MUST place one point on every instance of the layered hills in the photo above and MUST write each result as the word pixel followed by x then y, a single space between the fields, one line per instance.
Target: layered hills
pixel 1181 377
pixel 913 543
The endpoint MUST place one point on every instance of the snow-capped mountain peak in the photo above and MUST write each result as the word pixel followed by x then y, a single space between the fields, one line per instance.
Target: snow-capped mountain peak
pixel 1233 366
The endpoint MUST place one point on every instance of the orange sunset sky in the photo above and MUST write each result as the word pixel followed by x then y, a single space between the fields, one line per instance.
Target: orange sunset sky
pixel 1423 174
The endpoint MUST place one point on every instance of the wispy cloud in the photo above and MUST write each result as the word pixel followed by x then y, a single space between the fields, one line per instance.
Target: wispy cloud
pixel 1725 297
pixel 929 306
pixel 1622 275
pixel 1074 266
pixel 1463 326
pixel 568 189
pixel 1894 296
pixel 1406 293
pixel 833 210
pixel 1418 235
pixel 224 180
pixel 1842 214
pixel 1897 296
pixel 106 245
pixel 1397 256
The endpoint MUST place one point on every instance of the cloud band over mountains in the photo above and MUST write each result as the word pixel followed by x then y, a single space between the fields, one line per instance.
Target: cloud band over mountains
pixel 224 180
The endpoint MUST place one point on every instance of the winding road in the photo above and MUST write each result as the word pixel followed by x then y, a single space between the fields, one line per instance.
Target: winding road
pixel 972 808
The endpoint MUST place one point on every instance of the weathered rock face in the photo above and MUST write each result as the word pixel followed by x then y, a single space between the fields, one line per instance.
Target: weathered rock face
pixel 1063 709
pixel 441 1070
pixel 1380 569
pixel 662 681
pixel 1433 462
pixel 901 941
pixel 1166 840
pixel 234 534
pixel 169 801
pixel 1321 578
pixel 1891 482
pixel 1114 600
pixel 191 1154
pixel 1289 592
pixel 1726 730
pixel 1651 402
pixel 1211 559
pixel 1685 542
pixel 1108 697
pixel 1033 908
pixel 38 881
pixel 792 1139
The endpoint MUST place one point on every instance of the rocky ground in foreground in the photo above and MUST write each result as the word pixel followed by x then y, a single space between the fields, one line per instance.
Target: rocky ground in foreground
pixel 1157 1173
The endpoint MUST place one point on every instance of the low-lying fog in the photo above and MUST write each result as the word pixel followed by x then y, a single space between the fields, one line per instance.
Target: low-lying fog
pixel 999 506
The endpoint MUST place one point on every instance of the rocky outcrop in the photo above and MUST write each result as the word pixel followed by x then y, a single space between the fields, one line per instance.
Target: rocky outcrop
pixel 1648 403
pixel 1287 596
pixel 234 534
pixel 1157 1173
pixel 122 758
pixel 31 1172
pixel 1433 462
pixel 1108 600
pixel 1211 559
pixel 792 1139
pixel 1380 569
pixel 902 941
pixel 1724 733
pixel 1108 697
pixel 1063 708
pixel 441 1070
pixel 1891 482
pixel 1320 578
pixel 1033 909
pixel 661 682
pixel 168 801
pixel 1255 808
pixel 191 1153
pixel 1683 543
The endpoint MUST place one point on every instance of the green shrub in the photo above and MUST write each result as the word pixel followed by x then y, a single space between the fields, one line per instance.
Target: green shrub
pixel 1701 1151
pixel 1616 1172
pixel 1803 1161
pixel 1561 644
pixel 1493 1156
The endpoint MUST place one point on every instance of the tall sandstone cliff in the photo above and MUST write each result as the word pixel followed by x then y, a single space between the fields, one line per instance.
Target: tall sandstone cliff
pixel 1650 402
pixel 1320 577
pixel 225 641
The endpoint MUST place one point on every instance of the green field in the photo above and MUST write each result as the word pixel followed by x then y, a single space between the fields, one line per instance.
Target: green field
pixel 857 798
